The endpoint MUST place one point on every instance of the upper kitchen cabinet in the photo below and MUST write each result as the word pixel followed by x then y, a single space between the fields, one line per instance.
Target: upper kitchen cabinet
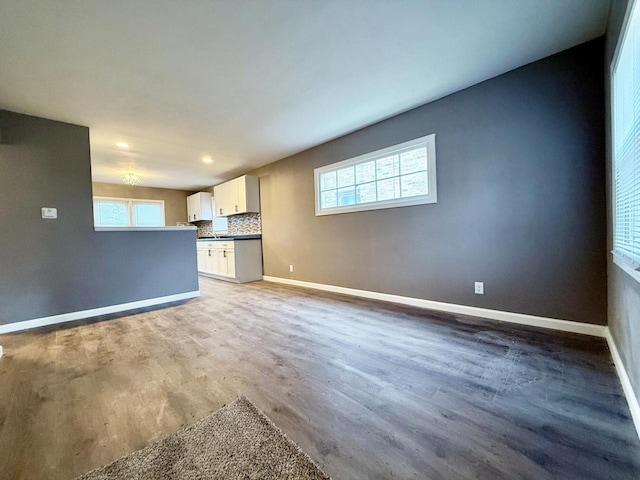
pixel 199 207
pixel 240 195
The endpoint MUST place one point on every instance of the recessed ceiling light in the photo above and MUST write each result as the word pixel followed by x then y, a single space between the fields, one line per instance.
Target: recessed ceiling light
pixel 122 144
pixel 207 159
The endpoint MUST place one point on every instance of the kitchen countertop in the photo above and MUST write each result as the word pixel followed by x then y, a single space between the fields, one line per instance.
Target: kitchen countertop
pixel 230 237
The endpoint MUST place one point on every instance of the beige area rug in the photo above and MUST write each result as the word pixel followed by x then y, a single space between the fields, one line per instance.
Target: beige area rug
pixel 236 442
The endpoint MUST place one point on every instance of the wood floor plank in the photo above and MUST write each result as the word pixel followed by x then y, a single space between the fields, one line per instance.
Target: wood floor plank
pixel 369 390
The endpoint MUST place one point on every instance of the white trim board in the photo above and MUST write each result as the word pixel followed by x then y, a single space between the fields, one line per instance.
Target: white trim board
pixel 629 393
pixel 94 312
pixel 625 267
pixel 519 318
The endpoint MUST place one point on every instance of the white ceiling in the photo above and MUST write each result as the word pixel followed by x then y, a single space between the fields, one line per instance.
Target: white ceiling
pixel 252 81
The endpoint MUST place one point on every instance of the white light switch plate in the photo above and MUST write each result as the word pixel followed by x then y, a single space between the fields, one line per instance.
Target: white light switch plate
pixel 49 212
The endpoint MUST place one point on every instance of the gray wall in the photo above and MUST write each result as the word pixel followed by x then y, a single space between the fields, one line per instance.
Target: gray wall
pixel 624 291
pixel 521 200
pixel 175 201
pixel 50 267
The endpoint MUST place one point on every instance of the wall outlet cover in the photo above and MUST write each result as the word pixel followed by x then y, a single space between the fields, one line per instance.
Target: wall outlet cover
pixel 291 268
pixel 479 288
pixel 48 212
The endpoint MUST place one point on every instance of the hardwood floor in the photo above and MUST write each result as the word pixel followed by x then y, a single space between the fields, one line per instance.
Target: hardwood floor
pixel 369 390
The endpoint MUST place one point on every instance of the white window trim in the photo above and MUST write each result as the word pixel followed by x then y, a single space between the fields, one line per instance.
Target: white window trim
pixel 625 263
pixel 432 197
pixel 130 202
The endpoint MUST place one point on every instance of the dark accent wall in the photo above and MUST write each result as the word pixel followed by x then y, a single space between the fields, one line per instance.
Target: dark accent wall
pixel 521 200
pixel 175 201
pixel 50 267
pixel 624 291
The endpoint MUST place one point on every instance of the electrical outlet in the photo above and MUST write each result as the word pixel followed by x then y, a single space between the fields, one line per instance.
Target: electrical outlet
pixel 479 288
pixel 291 268
pixel 49 212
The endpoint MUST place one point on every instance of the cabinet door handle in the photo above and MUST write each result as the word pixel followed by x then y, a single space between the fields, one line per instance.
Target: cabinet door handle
pixel 194 216
pixel 209 252
pixel 236 208
pixel 224 253
pixel 220 211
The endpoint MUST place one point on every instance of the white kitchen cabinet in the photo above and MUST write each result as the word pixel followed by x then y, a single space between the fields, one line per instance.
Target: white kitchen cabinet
pixel 199 207
pixel 240 195
pixel 210 262
pixel 220 224
pixel 225 262
pixel 229 260
pixel 236 261
pixel 225 198
pixel 201 256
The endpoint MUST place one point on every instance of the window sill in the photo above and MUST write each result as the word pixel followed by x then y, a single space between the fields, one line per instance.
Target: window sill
pixel 625 266
pixel 141 229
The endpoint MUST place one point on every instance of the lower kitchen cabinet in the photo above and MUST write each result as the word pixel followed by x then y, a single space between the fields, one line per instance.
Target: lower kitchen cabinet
pixel 201 256
pixel 237 261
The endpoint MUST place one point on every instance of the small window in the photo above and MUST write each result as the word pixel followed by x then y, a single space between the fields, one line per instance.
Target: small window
pixel 626 142
pixel 396 176
pixel 127 212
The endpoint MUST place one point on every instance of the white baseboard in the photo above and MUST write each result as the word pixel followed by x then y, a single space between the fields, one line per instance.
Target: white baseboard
pixel 520 318
pixel 94 312
pixel 629 393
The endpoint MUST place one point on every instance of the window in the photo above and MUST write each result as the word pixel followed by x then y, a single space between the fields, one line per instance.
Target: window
pixel 127 212
pixel 626 143
pixel 396 176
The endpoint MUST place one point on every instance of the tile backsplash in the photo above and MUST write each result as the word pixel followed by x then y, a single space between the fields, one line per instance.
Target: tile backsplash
pixel 245 224
pixel 205 228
